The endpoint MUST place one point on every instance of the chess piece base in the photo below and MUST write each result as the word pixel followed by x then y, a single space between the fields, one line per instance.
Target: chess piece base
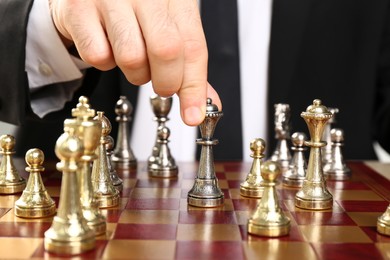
pixel 337 175
pixel 167 172
pixel 252 192
pixel 205 202
pixel 69 247
pixel 107 200
pixel 98 227
pixel 313 204
pixel 118 163
pixel 383 228
pixel 12 188
pixel 268 231
pixel 36 212
pixel 293 182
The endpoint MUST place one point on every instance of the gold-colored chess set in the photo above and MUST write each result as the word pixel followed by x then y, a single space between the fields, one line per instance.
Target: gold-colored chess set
pixel 89 181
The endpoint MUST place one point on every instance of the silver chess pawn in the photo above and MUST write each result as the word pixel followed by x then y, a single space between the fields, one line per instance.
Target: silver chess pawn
pixel 206 192
pixel 282 153
pixel 327 150
pixel 163 164
pixel 161 107
pixel 296 173
pixel 336 169
pixel 123 155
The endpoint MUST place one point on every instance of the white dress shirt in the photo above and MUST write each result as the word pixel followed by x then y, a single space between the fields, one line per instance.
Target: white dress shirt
pixel 48 62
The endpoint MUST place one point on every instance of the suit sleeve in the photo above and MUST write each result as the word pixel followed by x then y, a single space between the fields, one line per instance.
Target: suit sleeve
pixel 14 94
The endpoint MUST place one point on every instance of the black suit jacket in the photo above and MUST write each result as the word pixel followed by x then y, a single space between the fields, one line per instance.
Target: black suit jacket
pixel 337 51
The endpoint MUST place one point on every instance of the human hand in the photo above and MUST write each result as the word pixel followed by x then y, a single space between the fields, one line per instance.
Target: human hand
pixel 162 41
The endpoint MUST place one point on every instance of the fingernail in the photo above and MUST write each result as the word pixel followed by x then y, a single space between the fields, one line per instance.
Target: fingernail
pixel 193 116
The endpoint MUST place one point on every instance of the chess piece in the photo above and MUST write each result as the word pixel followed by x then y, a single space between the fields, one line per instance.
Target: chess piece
pixel 163 164
pixel 383 223
pixel 105 192
pixel 252 186
pixel 268 219
pixel 10 180
pixel 296 173
pixel 314 194
pixel 35 201
pixel 116 181
pixel 327 150
pixel 282 134
pixel 89 131
pixel 161 107
pixel 69 233
pixel 205 191
pixel 336 169
pixel 123 155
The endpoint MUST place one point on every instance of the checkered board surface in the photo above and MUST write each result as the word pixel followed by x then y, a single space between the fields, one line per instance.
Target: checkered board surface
pixel 153 220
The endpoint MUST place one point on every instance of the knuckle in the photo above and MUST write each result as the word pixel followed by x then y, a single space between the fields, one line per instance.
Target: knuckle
pixel 132 60
pixel 166 49
pixel 195 49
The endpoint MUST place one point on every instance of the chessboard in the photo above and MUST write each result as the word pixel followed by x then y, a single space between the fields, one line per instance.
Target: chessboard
pixel 154 221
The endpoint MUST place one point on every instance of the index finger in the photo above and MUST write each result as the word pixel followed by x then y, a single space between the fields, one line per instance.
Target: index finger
pixel 193 91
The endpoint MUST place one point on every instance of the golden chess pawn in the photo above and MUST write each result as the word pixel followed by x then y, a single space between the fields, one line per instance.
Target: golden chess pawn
pixel 314 194
pixel 383 223
pixel 10 180
pixel 269 219
pixel 89 131
pixel 252 186
pixel 104 191
pixel 69 233
pixel 35 201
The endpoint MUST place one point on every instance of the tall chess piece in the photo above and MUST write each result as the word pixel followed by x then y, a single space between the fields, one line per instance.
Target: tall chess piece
pixel 161 107
pixel 89 131
pixel 269 219
pixel 10 180
pixel 282 153
pixel 69 233
pixel 163 164
pixel 296 173
pixel 206 191
pixel 383 223
pixel 336 168
pixel 314 193
pixel 123 155
pixel 35 201
pixel 105 193
pixel 252 186
pixel 116 180
pixel 327 150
